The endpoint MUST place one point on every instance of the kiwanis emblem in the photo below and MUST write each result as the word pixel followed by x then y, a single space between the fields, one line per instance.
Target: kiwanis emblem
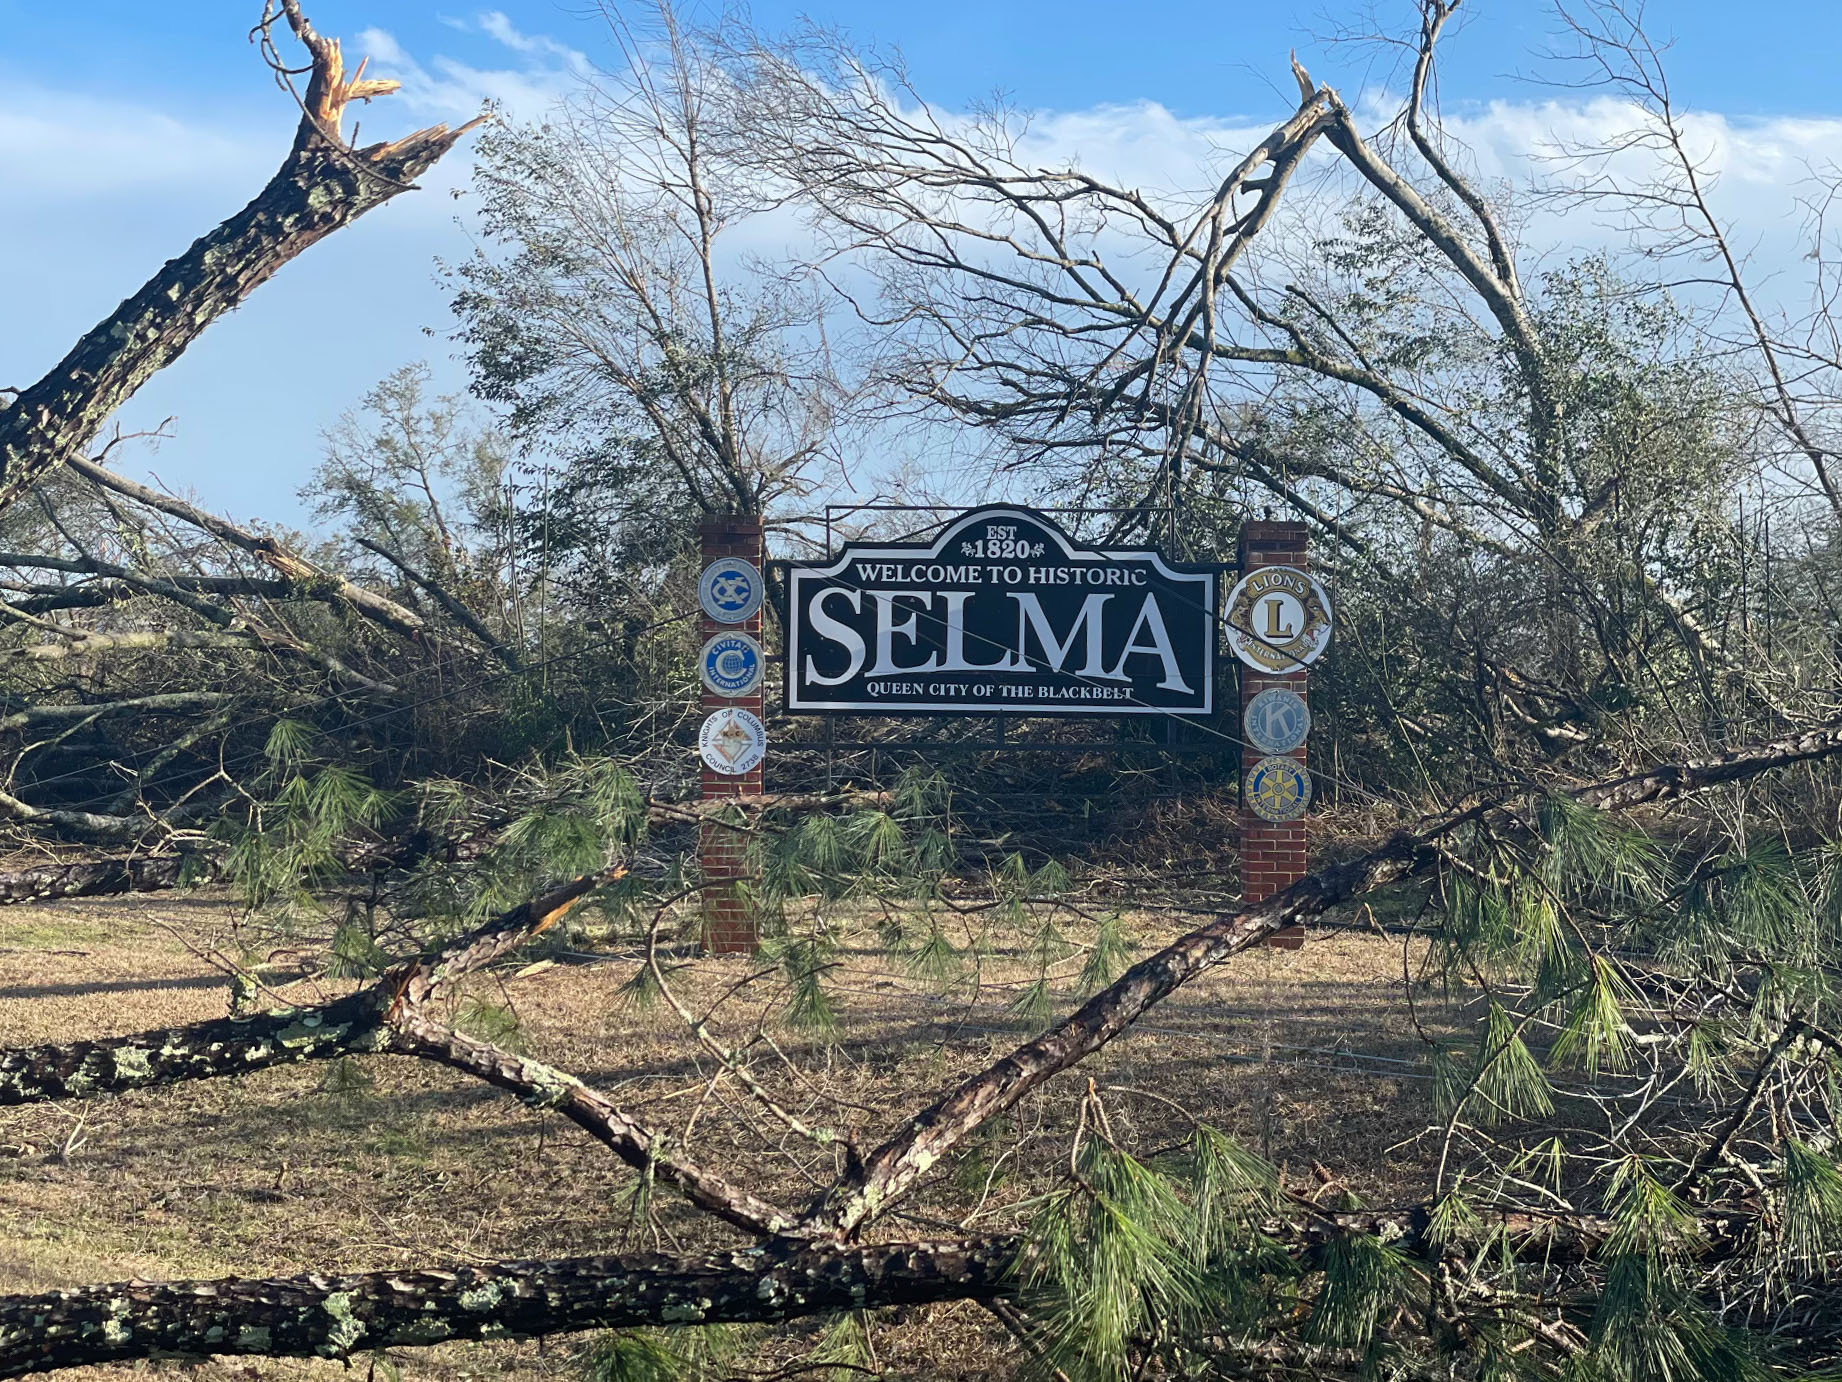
pixel 1277 720
pixel 1278 619
pixel 732 741
pixel 1278 789
pixel 730 590
pixel 730 664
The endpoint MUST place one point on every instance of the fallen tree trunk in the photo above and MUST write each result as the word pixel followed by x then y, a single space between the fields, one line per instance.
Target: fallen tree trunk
pixel 99 877
pixel 336 1316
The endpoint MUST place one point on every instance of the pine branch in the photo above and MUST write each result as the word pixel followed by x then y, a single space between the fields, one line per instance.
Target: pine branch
pixel 893 1169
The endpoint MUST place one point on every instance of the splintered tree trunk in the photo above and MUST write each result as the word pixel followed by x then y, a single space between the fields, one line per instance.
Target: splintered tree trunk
pixel 322 185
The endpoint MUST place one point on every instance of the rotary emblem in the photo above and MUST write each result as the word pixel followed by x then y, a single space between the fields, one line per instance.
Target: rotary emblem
pixel 1278 789
pixel 1278 619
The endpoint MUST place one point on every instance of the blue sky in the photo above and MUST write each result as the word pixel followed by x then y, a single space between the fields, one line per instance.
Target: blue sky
pixel 127 129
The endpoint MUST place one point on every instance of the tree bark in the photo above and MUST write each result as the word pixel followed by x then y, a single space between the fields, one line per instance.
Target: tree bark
pixel 336 1316
pixel 95 878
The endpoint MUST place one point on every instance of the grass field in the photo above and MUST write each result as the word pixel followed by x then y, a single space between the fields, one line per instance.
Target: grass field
pixel 383 1162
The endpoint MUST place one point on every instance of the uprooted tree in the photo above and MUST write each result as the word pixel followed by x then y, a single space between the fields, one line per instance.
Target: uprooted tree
pixel 1624 744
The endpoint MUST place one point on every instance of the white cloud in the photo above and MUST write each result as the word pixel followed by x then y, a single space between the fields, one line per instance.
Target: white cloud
pixel 502 31
pixel 443 87
pixel 61 146
pixel 380 45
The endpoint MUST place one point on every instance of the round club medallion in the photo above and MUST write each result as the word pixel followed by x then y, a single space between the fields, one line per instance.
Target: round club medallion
pixel 732 741
pixel 731 664
pixel 1277 720
pixel 1278 789
pixel 1278 619
pixel 730 590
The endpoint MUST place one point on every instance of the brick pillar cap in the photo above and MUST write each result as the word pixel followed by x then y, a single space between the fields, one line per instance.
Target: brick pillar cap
pixel 1274 530
pixel 737 523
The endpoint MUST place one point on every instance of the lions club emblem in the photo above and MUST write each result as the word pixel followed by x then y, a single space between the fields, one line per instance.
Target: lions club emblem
pixel 1278 619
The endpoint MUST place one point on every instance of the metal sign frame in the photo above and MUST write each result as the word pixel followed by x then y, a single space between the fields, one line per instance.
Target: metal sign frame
pixel 1175 743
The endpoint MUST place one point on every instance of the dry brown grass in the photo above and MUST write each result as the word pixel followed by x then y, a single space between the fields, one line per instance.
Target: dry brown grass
pixel 278 1173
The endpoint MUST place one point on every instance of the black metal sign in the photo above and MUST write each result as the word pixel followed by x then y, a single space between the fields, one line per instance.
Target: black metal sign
pixel 1002 614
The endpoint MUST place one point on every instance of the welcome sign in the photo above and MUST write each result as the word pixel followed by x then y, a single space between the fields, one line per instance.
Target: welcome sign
pixel 1003 613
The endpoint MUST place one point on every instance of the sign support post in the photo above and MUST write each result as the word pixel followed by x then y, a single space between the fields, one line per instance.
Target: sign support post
pixel 1272 852
pixel 730 924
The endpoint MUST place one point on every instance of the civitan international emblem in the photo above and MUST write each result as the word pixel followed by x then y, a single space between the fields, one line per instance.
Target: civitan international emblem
pixel 1278 789
pixel 1002 614
pixel 1278 619
pixel 730 590
pixel 731 664
pixel 1277 720
pixel 732 741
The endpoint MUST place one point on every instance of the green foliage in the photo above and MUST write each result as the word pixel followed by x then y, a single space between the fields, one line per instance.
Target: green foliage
pixel 1365 1280
pixel 1111 950
pixel 1508 1077
pixel 931 955
pixel 347 1081
pixel 1135 1257
pixel 1111 1258
pixel 1648 1326
pixel 294 837
pixel 1596 1034
pixel 1034 1005
pixel 491 1022
pixel 700 1354
pixel 845 1350
pixel 635 1356
pixel 804 961
pixel 355 954
pixel 1591 850
pixel 1811 1233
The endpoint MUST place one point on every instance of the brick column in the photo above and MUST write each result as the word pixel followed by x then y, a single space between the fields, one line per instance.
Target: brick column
pixel 1272 855
pixel 722 853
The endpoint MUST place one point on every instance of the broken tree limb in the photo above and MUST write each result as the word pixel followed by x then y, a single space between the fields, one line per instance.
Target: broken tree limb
pixel 544 1086
pixel 324 184
pixel 893 1168
pixel 98 877
pixel 452 604
pixel 165 703
pixel 388 1016
pixel 356 1022
pixel 299 575
pixel 85 825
